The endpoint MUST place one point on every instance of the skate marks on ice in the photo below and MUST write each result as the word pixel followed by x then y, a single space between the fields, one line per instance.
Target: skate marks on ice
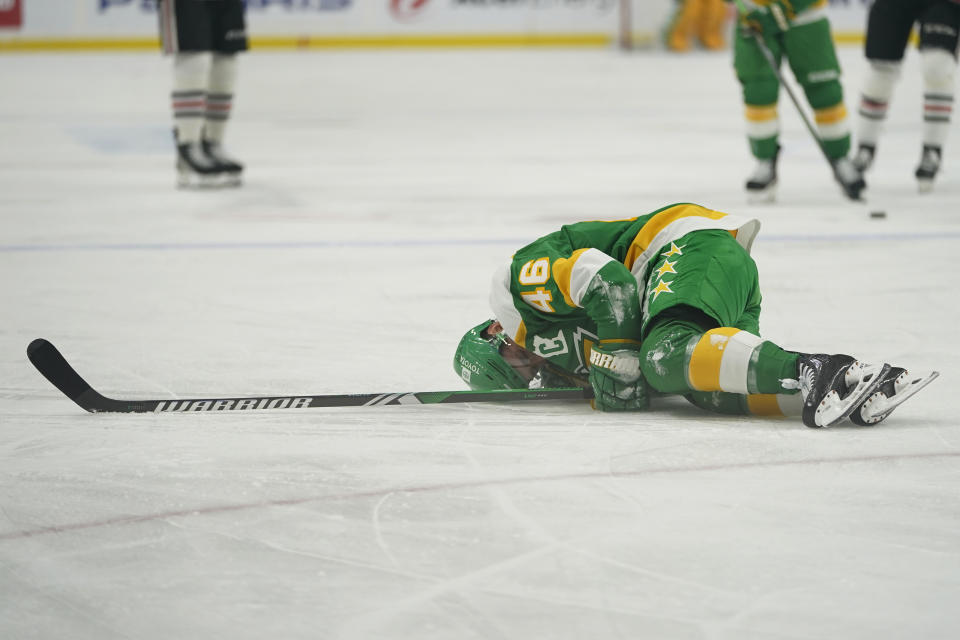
pixel 490 483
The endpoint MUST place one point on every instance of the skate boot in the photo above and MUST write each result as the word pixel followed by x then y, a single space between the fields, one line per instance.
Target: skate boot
pixel 850 179
pixel 195 169
pixel 929 165
pixel 762 184
pixel 863 159
pixel 827 396
pixel 894 389
pixel 232 170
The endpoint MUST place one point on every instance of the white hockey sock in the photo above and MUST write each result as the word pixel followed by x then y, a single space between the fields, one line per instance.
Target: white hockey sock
pixel 763 121
pixel 190 73
pixel 939 67
pixel 223 77
pixel 875 99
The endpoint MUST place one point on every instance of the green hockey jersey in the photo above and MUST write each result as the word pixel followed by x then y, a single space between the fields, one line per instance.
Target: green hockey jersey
pixel 562 293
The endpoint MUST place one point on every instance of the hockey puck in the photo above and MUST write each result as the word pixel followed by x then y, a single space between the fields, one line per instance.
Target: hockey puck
pixel 878 214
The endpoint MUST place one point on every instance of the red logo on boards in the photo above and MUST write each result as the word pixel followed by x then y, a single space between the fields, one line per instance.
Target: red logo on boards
pixel 11 13
pixel 403 9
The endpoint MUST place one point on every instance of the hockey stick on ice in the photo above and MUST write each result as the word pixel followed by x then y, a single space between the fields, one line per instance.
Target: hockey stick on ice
pixel 55 368
pixel 772 62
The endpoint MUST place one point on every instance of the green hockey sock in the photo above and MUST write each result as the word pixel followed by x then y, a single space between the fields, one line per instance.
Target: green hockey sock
pixel 769 365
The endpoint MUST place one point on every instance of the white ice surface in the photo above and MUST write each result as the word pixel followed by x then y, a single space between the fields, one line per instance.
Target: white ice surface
pixel 383 189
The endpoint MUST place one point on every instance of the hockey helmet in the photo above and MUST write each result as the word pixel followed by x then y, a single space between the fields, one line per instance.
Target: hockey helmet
pixel 478 361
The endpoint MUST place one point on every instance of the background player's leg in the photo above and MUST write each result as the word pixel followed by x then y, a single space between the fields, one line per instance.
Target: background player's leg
pixel 189 98
pixel 813 60
pixel 939 26
pixel 760 89
pixel 888 29
pixel 184 32
pixel 228 34
pixel 223 78
pixel 191 70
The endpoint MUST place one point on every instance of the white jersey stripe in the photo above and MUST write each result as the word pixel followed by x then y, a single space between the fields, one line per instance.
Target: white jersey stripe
pixel 834 131
pixel 584 270
pixel 736 361
pixel 746 228
pixel 763 128
pixel 501 302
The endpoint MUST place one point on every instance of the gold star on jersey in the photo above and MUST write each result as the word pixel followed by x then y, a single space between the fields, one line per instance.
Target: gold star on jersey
pixel 662 287
pixel 674 251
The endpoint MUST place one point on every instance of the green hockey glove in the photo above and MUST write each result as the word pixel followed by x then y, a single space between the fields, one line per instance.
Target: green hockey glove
pixel 616 379
pixel 768 20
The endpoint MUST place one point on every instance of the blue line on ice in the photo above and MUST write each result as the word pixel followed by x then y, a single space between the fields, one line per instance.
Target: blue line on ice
pixel 447 242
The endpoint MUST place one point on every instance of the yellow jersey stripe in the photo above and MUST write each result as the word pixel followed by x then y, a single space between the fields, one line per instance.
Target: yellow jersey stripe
pixel 831 115
pixel 618 341
pixel 660 222
pixel 720 361
pixel 521 336
pixel 764 404
pixel 703 370
pixel 574 274
pixel 763 113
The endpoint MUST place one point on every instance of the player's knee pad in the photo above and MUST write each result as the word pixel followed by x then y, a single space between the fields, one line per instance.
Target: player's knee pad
pixel 191 70
pixel 760 92
pixel 939 67
pixel 824 95
pixel 223 72
pixel 881 79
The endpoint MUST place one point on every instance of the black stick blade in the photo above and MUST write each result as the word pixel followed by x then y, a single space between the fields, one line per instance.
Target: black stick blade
pixel 55 368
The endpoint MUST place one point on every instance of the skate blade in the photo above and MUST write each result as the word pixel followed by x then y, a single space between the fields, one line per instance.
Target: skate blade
pixel 196 181
pixel 233 179
pixel 832 409
pixel 762 196
pixel 925 186
pixel 880 406
pixel 856 196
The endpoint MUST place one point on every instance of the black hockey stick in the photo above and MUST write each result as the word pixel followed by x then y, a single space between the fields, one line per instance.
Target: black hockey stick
pixel 772 62
pixel 55 368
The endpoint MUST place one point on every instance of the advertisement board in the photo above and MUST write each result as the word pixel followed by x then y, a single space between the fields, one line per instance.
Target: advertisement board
pixel 53 24
pixel 11 14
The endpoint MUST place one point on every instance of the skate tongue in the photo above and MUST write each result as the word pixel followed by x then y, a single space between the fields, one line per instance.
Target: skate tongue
pixel 833 408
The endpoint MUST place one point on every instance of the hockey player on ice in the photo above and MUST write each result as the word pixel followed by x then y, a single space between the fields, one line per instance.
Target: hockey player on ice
pixel 888 30
pixel 665 303
pixel 204 39
pixel 799 32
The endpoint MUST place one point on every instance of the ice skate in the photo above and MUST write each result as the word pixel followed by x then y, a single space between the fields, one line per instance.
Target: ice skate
pixel 895 388
pixel 232 170
pixel 929 165
pixel 863 158
pixel 827 396
pixel 195 169
pixel 850 179
pixel 762 184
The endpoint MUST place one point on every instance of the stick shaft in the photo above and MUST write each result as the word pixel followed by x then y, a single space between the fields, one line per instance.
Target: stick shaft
pixel 55 368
